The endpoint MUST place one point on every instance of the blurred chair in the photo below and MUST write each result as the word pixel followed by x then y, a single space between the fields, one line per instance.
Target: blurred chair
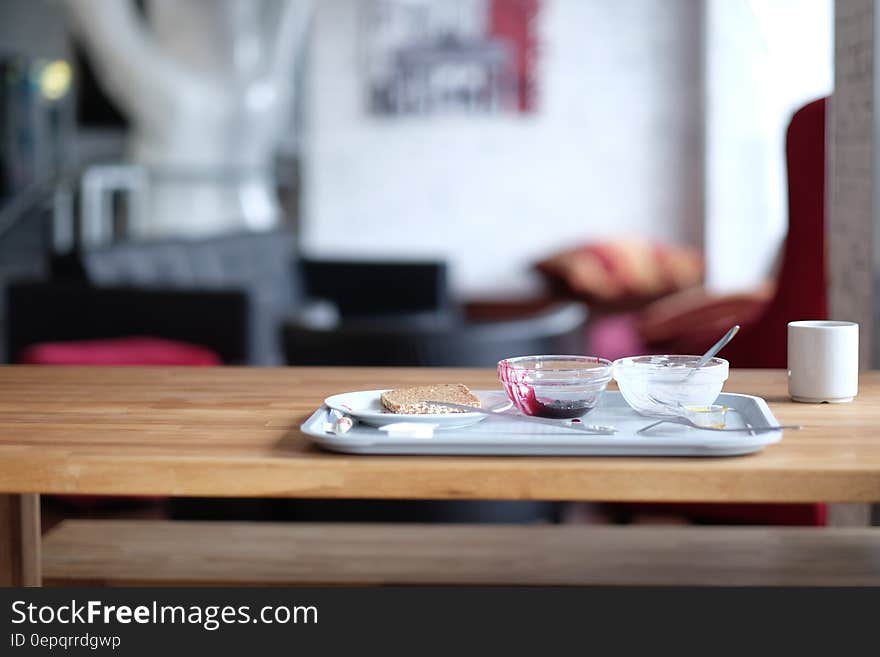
pixel 68 312
pixel 378 288
pixel 392 342
pixel 689 325
pixel 256 263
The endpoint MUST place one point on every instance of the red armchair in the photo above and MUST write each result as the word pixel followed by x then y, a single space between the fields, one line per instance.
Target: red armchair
pixel 687 325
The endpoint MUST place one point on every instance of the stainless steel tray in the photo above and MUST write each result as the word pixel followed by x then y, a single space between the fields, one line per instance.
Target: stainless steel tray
pixel 503 435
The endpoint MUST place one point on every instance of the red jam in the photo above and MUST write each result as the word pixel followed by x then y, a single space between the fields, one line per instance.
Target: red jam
pixel 562 410
pixel 557 410
pixel 523 395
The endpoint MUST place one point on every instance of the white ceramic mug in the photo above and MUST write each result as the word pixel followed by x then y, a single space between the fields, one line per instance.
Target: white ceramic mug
pixel 823 361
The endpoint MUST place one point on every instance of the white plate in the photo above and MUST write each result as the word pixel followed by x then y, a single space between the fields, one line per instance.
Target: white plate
pixel 365 405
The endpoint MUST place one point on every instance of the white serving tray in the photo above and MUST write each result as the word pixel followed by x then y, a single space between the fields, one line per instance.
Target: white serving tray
pixel 503 435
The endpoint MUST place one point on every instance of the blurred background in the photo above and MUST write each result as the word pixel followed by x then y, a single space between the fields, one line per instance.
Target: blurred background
pixel 409 182
pixel 528 150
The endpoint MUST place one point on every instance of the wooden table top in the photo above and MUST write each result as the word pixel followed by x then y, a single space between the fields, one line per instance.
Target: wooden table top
pixel 234 432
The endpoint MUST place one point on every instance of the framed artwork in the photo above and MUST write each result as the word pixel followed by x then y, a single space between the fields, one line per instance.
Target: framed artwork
pixel 424 57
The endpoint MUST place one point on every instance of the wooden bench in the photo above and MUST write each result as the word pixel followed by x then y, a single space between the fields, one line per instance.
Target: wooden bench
pixel 152 552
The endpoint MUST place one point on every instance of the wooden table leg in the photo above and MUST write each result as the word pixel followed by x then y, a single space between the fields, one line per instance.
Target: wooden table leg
pixel 20 562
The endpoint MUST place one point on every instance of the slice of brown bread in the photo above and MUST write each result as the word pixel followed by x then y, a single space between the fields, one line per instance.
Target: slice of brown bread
pixel 410 400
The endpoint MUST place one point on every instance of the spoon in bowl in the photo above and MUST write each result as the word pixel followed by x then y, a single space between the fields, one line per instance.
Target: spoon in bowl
pixel 705 358
pixel 714 349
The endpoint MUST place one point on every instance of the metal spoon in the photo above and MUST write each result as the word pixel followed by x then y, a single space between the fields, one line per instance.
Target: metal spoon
pixel 714 349
pixel 688 423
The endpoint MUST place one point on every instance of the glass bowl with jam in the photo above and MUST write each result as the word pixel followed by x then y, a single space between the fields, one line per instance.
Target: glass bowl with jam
pixel 559 387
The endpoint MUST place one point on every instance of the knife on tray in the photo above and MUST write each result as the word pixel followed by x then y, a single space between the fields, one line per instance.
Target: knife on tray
pixel 594 429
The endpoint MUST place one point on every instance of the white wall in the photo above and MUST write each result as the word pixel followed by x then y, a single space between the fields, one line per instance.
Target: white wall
pixel 614 149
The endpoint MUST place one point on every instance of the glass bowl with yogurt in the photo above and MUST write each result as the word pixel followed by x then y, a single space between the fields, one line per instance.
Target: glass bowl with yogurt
pixel 661 385
pixel 560 387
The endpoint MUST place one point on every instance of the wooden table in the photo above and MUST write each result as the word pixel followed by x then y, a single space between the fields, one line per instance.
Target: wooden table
pixel 234 432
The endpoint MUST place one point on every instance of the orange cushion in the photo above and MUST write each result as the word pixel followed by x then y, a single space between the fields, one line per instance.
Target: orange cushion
pixel 623 271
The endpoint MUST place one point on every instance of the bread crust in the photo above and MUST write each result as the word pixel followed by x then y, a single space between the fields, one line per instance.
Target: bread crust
pixel 410 401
